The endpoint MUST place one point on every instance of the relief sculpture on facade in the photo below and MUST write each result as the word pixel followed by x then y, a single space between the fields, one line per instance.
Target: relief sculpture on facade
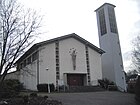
pixel 73 54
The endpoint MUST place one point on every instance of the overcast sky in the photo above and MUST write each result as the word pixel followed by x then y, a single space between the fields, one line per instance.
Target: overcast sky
pixel 62 17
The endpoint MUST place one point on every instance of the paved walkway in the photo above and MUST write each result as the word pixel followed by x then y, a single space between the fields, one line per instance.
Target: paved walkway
pixel 94 98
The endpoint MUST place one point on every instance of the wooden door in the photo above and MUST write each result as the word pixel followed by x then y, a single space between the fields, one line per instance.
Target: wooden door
pixel 75 80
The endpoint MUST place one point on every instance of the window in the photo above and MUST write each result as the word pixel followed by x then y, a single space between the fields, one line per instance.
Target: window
pixel 112 20
pixel 102 22
pixel 21 65
pixel 87 62
pixel 57 62
pixel 24 64
pixel 57 77
pixel 29 60
pixel 18 66
pixel 57 73
pixel 34 56
pixel 57 68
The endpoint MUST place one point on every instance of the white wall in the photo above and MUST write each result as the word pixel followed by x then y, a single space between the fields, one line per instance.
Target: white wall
pixel 28 76
pixel 13 75
pixel 81 67
pixel 66 65
pixel 47 68
pixel 47 60
pixel 95 66
pixel 47 63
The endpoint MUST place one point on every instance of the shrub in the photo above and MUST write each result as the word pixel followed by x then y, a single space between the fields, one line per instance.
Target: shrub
pixel 33 95
pixel 112 87
pixel 107 84
pixel 44 87
pixel 131 86
pixel 28 100
pixel 10 88
pixel 13 84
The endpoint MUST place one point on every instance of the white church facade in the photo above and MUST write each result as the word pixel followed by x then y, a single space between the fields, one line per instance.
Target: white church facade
pixel 67 60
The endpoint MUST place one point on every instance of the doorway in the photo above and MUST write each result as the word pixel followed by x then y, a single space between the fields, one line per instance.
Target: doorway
pixel 75 79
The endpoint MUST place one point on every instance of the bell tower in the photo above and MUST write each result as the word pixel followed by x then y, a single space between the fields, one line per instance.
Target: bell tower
pixel 112 64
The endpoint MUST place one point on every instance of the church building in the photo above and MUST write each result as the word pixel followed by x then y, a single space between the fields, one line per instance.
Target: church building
pixel 71 60
pixel 67 60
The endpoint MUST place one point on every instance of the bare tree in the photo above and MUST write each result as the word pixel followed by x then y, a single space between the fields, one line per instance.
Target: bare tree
pixel 17 30
pixel 136 54
pixel 132 72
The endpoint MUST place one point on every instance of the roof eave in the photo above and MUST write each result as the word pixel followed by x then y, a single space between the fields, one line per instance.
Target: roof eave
pixel 37 45
pixel 103 5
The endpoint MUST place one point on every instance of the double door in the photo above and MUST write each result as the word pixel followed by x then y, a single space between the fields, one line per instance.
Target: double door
pixel 75 79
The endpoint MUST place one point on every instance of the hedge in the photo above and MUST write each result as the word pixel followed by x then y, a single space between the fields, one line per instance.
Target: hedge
pixel 44 87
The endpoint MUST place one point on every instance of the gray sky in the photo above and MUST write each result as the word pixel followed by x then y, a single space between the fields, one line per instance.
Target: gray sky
pixel 62 17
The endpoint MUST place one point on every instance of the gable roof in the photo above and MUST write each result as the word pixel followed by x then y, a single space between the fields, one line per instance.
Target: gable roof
pixel 73 35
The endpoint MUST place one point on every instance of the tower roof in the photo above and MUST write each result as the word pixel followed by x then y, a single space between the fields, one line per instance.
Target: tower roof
pixel 104 5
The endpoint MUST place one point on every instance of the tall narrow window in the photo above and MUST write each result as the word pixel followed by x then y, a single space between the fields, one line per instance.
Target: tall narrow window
pixel 29 60
pixel 102 22
pixel 112 20
pixel 21 65
pixel 34 56
pixel 25 62
pixel 57 62
pixel 88 65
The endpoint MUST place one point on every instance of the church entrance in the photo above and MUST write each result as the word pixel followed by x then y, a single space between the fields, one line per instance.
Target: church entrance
pixel 75 79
